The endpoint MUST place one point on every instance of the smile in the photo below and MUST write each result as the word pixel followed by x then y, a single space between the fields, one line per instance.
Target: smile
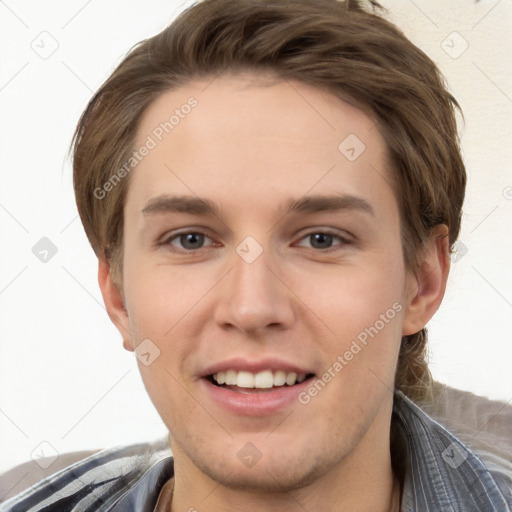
pixel 260 393
pixel 266 379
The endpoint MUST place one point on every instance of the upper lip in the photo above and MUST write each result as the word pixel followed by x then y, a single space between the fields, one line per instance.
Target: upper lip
pixel 241 364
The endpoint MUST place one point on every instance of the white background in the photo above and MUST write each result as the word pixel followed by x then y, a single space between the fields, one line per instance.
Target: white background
pixel 64 376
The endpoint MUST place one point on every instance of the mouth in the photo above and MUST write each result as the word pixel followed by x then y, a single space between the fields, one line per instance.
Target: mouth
pixel 261 382
pixel 255 387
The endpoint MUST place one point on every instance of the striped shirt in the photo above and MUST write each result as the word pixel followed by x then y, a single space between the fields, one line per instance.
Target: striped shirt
pixel 440 474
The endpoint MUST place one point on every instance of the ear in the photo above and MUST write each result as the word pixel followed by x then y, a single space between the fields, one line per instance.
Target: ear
pixel 114 303
pixel 425 290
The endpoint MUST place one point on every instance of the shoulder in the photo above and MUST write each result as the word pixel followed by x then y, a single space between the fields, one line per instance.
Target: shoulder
pixel 96 482
pixel 476 412
pixel 459 450
pixel 484 425
pixel 25 475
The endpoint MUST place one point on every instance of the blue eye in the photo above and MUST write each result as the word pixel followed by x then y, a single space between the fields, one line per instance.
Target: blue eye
pixel 188 241
pixel 324 240
pixel 321 240
pixel 192 241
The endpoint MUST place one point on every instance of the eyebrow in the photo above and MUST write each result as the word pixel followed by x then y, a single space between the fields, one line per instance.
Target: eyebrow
pixel 181 204
pixel 320 203
pixel 308 204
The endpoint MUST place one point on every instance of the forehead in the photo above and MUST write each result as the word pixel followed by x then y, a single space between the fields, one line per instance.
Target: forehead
pixel 235 137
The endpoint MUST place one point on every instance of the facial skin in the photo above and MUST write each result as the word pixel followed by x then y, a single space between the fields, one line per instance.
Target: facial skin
pixel 250 148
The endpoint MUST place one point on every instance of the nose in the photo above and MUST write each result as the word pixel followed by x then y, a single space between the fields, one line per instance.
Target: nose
pixel 254 297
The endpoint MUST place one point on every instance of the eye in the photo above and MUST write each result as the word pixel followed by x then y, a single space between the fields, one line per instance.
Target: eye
pixel 188 241
pixel 324 240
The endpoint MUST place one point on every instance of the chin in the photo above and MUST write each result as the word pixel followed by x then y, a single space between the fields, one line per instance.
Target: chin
pixel 265 479
pixel 275 472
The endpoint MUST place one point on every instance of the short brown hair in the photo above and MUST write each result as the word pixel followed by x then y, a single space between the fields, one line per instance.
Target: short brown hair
pixel 338 46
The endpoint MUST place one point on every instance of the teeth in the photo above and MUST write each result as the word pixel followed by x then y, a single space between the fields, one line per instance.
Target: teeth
pixel 264 379
pixel 245 380
pixel 231 378
pixel 261 380
pixel 291 379
pixel 279 378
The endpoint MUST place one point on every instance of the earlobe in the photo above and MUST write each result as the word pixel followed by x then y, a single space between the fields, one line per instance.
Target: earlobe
pixel 425 290
pixel 114 303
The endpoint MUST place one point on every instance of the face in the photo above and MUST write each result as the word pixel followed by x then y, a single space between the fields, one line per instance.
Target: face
pixel 263 267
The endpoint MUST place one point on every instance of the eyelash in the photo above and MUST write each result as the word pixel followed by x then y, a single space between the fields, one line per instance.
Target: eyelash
pixel 344 240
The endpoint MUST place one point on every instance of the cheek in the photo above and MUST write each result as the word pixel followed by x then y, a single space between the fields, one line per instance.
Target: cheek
pixel 168 393
pixel 352 299
pixel 364 311
pixel 164 304
pixel 160 297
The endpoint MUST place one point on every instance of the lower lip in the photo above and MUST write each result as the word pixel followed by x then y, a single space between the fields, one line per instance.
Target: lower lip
pixel 254 403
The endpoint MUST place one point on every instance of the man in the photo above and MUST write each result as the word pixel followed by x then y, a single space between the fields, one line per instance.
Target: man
pixel 272 190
